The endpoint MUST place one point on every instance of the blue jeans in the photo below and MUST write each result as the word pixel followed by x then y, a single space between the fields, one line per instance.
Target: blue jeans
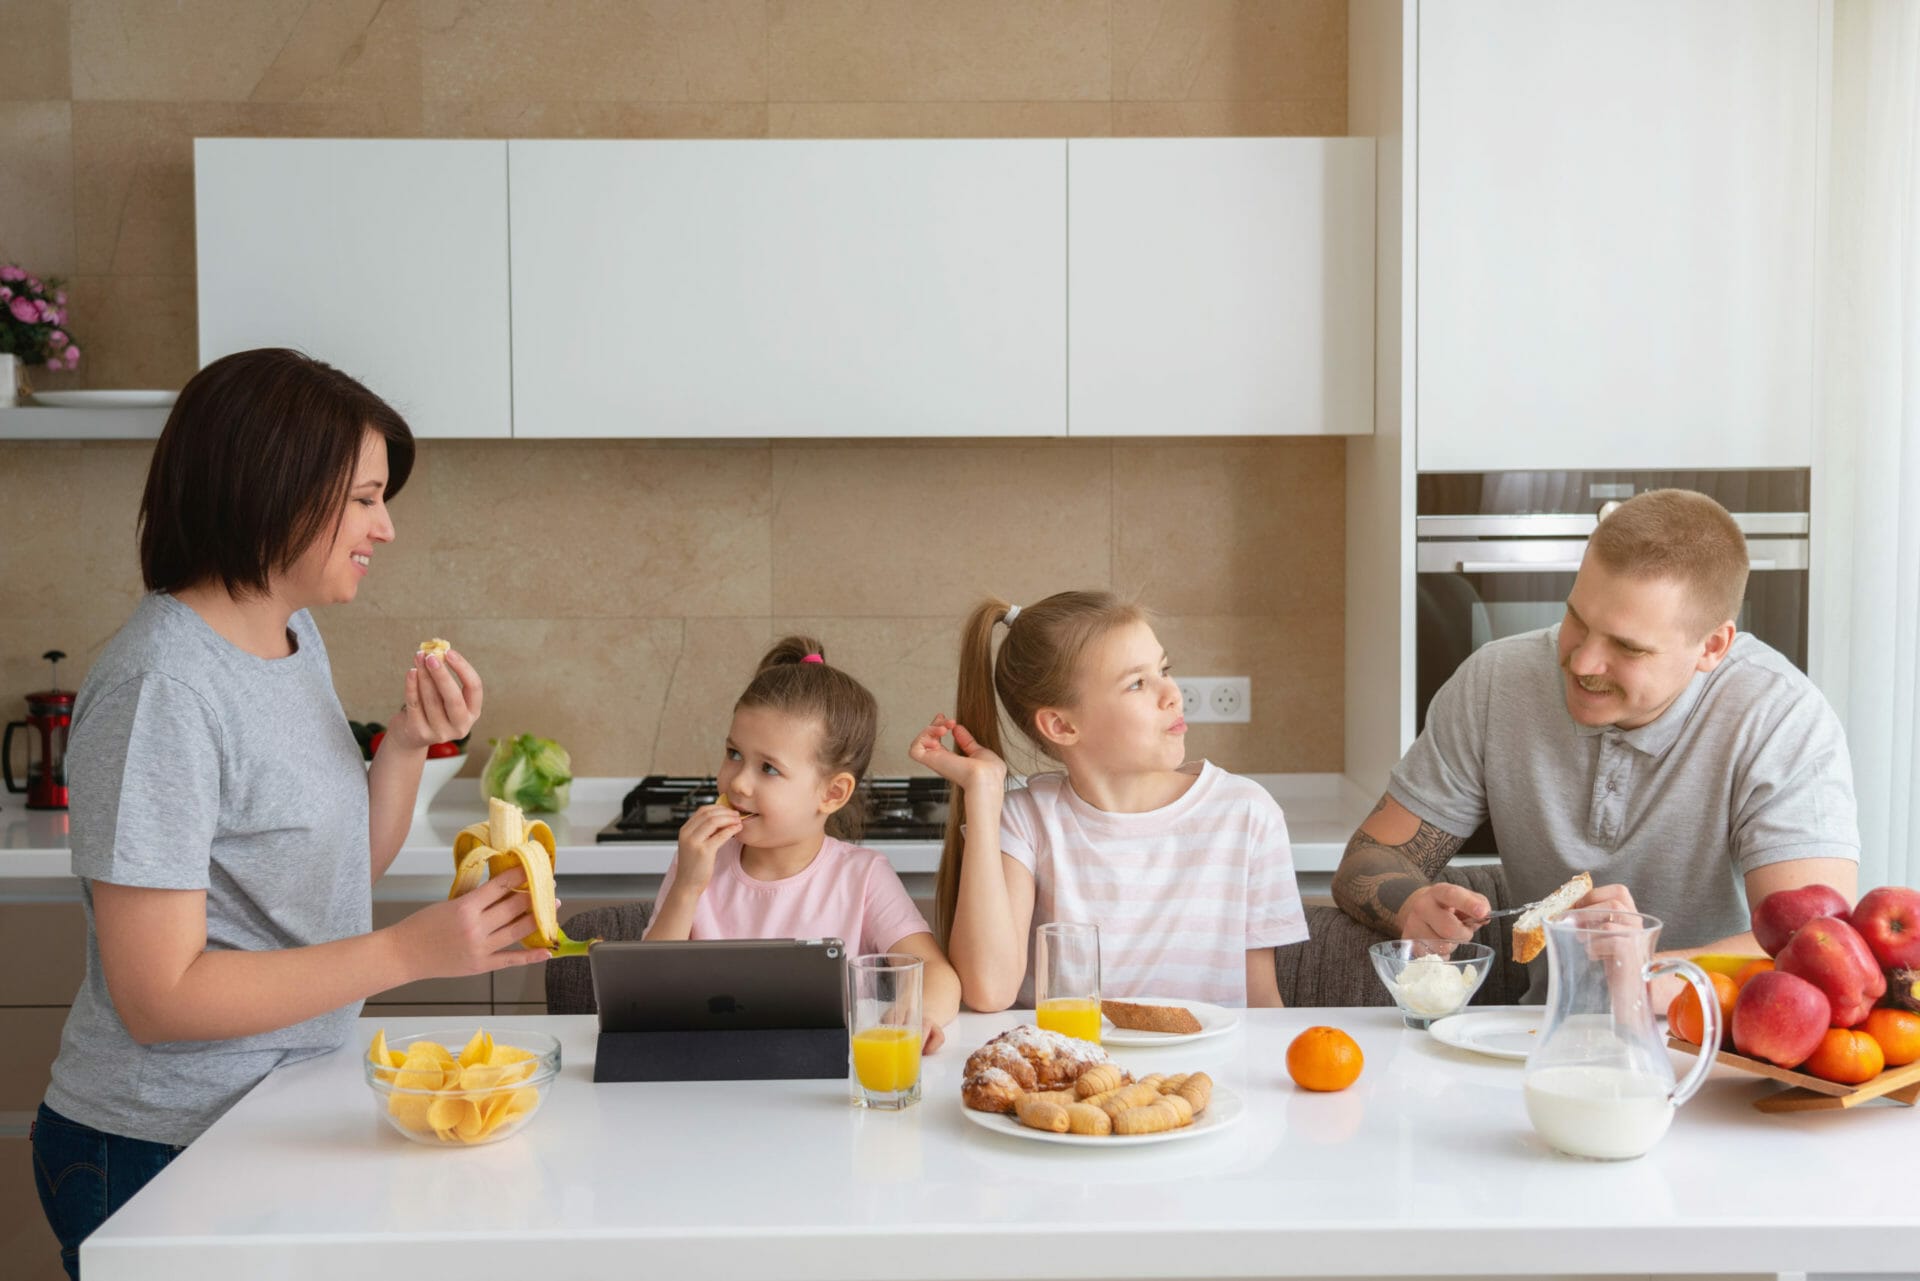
pixel 83 1175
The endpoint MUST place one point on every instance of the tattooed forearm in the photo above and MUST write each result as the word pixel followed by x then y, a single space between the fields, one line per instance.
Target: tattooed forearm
pixel 1375 880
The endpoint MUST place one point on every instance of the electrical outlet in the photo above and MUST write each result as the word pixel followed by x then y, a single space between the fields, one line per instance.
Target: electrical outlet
pixel 1216 699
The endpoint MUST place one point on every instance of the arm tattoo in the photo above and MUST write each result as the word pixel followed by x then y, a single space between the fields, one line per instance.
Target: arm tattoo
pixel 1374 880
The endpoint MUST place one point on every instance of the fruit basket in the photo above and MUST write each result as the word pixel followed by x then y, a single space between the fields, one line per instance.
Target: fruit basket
pixel 1812 1093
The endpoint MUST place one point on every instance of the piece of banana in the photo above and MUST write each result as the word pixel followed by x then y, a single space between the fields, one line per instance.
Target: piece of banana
pixel 508 840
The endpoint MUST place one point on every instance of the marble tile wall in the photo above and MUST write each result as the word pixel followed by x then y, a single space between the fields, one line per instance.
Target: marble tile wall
pixel 663 570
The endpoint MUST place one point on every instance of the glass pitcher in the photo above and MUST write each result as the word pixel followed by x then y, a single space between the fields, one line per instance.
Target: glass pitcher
pixel 1599 1084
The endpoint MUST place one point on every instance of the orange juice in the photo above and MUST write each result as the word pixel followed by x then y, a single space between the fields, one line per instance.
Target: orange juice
pixel 887 1059
pixel 1071 1016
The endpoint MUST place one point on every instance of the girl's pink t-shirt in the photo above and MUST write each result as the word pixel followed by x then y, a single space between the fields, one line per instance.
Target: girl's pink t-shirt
pixel 848 892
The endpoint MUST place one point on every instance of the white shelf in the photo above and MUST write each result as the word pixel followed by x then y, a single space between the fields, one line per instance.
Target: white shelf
pixel 41 423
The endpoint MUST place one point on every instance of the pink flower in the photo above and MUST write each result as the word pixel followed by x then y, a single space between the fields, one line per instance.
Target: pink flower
pixel 73 357
pixel 11 272
pixel 33 283
pixel 5 293
pixel 25 310
pixel 60 296
pixel 58 315
pixel 57 339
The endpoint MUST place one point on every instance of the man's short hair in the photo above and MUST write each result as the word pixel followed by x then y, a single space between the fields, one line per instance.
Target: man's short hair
pixel 1682 536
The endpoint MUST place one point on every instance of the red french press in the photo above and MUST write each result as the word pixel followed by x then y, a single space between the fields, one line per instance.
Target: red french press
pixel 49 714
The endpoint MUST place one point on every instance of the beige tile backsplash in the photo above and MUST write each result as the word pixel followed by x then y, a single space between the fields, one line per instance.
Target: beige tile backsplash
pixel 616 595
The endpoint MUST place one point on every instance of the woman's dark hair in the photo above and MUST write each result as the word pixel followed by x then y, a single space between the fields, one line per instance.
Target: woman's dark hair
pixel 794 679
pixel 254 464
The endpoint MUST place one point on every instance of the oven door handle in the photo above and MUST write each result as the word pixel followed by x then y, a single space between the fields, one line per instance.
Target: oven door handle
pixel 1557 566
pixel 1519 567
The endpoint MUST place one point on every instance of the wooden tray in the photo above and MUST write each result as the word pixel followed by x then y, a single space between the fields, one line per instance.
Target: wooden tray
pixel 1811 1093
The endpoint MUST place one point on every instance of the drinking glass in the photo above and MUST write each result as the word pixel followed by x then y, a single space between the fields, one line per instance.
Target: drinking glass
pixel 1066 979
pixel 883 1020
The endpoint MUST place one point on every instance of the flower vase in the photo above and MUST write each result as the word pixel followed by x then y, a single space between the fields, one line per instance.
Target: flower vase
pixel 12 378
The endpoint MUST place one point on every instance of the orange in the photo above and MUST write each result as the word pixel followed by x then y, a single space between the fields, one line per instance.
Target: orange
pixel 1324 1058
pixel 1683 1016
pixel 1846 1056
pixel 1898 1032
pixel 1750 969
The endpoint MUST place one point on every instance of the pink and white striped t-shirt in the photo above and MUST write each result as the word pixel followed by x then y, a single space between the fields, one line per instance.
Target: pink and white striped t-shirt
pixel 1180 893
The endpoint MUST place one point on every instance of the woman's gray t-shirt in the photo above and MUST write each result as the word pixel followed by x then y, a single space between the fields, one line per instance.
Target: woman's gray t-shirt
pixel 197 766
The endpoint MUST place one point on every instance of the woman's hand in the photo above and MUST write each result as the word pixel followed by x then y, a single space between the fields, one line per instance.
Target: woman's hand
pixel 473 934
pixel 705 831
pixel 443 702
pixel 966 764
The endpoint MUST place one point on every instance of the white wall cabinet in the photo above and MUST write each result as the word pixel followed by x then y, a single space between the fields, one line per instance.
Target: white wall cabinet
pixel 384 258
pixel 1617 231
pixel 1220 286
pixel 718 289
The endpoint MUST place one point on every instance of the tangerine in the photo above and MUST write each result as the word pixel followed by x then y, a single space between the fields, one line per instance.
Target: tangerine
pixel 1898 1032
pixel 1847 1056
pixel 1324 1058
pixel 1751 968
pixel 1683 1016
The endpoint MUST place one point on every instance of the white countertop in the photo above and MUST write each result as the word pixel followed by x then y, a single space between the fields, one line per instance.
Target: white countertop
pixel 1322 810
pixel 1425 1166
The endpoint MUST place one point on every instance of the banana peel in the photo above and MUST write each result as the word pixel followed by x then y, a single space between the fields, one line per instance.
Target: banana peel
pixel 507 840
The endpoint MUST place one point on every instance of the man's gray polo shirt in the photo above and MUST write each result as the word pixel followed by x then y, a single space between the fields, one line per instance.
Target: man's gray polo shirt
pixel 1748 767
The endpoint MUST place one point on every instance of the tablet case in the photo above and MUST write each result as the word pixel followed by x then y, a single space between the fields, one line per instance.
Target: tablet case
pixel 720 1010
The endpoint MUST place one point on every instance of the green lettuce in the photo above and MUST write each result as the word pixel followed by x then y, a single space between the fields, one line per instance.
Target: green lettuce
pixel 528 771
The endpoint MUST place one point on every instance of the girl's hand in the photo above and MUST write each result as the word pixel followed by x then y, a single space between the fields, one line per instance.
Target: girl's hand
pixel 966 764
pixel 705 831
pixel 443 702
pixel 473 934
pixel 932 1036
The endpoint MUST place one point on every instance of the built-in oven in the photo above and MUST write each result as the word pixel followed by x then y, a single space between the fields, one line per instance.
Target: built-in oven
pixel 1497 552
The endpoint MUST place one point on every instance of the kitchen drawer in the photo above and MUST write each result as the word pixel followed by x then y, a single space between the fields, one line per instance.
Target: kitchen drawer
pixel 55 936
pixel 26 1242
pixel 474 989
pixel 32 1037
pixel 424 1009
pixel 509 1011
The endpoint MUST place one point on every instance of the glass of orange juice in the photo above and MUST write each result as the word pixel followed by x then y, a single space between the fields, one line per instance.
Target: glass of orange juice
pixel 883 1019
pixel 1066 979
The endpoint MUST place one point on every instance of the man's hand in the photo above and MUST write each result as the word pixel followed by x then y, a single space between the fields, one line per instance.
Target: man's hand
pixel 1442 911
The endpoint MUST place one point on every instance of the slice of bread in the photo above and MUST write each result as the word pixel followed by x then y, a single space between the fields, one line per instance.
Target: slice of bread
pixel 1150 1018
pixel 1530 930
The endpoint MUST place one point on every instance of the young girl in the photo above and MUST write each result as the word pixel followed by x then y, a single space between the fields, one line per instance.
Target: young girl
pixel 760 863
pixel 1186 869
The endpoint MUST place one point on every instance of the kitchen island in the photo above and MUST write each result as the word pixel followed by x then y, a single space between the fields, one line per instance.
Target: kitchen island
pixel 1426 1166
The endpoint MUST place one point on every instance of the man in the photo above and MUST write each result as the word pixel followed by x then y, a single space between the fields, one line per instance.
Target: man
pixel 1642 739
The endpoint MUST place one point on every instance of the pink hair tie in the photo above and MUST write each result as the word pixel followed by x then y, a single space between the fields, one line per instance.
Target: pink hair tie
pixel 813 658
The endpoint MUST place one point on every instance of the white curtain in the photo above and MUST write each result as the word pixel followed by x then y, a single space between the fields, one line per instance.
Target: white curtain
pixel 1866 607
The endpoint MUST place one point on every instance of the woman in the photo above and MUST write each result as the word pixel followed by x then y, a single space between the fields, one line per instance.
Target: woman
pixel 224 832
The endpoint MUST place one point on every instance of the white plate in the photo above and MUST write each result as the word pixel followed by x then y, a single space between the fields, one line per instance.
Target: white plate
pixel 1501 1034
pixel 1222 1111
pixel 105 399
pixel 1214 1019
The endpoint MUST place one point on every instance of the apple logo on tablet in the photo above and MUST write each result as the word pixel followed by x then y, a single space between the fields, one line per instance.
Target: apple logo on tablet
pixel 723 1005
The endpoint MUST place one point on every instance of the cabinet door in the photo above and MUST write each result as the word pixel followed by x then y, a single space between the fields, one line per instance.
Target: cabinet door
pixel 1616 233
pixel 386 259
pixel 789 288
pixel 1220 286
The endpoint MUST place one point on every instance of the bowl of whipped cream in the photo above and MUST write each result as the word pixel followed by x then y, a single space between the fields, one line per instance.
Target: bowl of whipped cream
pixel 1430 978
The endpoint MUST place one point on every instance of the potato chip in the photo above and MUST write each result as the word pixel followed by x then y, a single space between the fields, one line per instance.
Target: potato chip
pixel 456 1115
pixel 478 1050
pixel 484 1076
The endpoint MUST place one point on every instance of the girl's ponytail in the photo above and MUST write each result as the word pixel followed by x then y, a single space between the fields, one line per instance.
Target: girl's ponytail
pixel 975 707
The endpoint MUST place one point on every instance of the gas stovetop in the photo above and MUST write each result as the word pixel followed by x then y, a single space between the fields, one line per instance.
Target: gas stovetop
pixel 900 809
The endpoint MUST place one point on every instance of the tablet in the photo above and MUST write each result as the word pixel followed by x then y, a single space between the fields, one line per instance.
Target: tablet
pixel 724 984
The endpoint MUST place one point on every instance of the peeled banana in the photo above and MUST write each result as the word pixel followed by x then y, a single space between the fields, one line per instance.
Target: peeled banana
pixel 508 840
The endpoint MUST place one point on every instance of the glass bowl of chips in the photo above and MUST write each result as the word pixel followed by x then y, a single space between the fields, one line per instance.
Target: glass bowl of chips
pixel 481 1093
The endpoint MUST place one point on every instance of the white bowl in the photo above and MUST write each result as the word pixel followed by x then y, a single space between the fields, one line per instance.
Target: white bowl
pixel 435 774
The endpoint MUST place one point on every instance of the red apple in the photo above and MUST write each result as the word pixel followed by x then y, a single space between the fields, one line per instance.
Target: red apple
pixel 1889 920
pixel 1780 1018
pixel 1780 913
pixel 1831 955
